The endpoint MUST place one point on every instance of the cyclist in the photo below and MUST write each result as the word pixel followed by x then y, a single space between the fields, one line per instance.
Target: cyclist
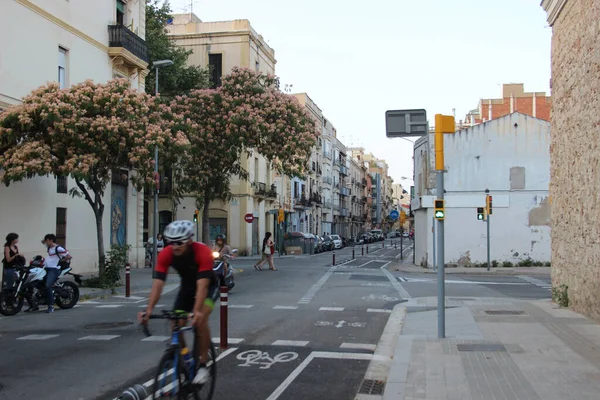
pixel 222 249
pixel 198 291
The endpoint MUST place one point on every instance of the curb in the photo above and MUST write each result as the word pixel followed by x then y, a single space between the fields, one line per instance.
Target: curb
pixel 383 358
pixel 501 272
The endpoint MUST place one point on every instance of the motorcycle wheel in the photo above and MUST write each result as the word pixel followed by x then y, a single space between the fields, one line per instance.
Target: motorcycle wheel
pixel 68 301
pixel 10 304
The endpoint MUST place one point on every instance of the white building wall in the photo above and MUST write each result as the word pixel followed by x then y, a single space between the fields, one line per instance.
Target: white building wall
pixel 510 157
pixel 28 60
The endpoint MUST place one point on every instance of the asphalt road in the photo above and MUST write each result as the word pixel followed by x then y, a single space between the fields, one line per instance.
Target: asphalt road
pixel 308 330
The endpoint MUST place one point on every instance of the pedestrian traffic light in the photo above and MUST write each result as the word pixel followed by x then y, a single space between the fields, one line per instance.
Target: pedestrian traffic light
pixel 480 214
pixel 196 215
pixel 488 204
pixel 439 212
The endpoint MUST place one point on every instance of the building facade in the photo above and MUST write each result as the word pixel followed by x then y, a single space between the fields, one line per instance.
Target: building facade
pixel 510 157
pixel 221 46
pixel 575 148
pixel 70 43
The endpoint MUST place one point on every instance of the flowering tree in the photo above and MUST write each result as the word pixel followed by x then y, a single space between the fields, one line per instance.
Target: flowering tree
pixel 246 114
pixel 88 131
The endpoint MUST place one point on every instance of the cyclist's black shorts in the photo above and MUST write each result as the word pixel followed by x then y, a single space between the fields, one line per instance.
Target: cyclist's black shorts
pixel 187 296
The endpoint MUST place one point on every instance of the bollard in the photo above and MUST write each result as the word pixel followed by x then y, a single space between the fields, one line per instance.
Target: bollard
pixel 224 296
pixel 362 250
pixel 127 280
pixel 396 245
pixel 383 244
pixel 333 257
pixel 367 249
pixel 353 253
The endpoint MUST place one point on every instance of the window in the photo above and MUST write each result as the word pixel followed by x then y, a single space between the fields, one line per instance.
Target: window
pixel 61 184
pixel 164 219
pixel 120 12
pixel 146 214
pixel 215 63
pixel 61 226
pixel 62 67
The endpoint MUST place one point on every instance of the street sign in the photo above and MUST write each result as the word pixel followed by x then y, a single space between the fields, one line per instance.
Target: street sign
pixel 249 218
pixel 405 123
pixel 394 214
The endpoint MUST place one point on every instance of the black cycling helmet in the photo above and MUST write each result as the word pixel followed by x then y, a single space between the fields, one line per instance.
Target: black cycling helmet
pixel 220 237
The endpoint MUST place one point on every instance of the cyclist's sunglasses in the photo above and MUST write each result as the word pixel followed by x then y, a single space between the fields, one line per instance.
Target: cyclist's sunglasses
pixel 177 243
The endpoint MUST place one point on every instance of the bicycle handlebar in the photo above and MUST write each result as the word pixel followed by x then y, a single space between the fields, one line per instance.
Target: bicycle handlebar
pixel 166 314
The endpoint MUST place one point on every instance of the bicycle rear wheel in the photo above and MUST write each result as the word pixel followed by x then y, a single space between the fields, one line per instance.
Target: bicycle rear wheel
pixel 206 391
pixel 167 384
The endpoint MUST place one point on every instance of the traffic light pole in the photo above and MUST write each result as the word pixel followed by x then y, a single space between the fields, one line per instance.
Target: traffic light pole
pixel 487 222
pixel 441 287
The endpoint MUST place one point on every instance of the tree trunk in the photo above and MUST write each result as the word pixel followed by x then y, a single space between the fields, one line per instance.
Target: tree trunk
pixel 205 220
pixel 100 237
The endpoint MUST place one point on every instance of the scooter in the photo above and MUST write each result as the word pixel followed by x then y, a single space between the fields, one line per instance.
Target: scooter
pixel 219 268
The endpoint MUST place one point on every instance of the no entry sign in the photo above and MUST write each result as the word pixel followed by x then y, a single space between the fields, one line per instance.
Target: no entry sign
pixel 249 218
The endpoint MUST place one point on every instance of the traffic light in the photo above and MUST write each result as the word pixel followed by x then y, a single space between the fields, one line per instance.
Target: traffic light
pixel 480 214
pixel 439 212
pixel 280 216
pixel 488 204
pixel 196 216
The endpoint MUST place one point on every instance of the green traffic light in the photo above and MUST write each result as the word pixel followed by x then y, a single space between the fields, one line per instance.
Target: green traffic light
pixel 439 214
pixel 480 217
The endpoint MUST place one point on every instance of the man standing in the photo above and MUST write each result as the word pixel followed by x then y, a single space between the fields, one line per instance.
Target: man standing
pixel 56 254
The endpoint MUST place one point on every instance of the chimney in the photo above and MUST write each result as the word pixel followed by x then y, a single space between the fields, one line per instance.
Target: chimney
pixel 512 102
pixel 490 110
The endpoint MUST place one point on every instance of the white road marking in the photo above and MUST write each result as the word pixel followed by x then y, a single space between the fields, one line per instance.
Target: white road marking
pixel 217 340
pixel 315 354
pixel 90 302
pixel 262 358
pixel 363 346
pixel 156 306
pixel 298 343
pixel 37 337
pixel 383 297
pixel 130 297
pixel 285 307
pixel 110 306
pixel 240 306
pixel 401 279
pixel 486 283
pixel 315 288
pixel 399 288
pixel 99 337
pixel 536 282
pixel 368 262
pixel 156 339
pixel 331 309
pixel 378 310
pixel 375 284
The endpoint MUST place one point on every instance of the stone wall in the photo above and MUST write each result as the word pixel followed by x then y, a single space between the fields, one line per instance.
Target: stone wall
pixel 575 154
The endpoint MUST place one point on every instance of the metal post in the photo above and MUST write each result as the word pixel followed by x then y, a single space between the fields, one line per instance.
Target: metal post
pixel 197 233
pixel 367 249
pixel 362 250
pixel 434 230
pixel 353 252
pixel 333 257
pixel 224 324
pixel 155 218
pixel 402 246
pixel 127 280
pixel 487 222
pixel 440 262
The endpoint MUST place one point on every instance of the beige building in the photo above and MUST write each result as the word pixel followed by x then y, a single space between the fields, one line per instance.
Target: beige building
pixel 69 42
pixel 221 46
pixel 574 167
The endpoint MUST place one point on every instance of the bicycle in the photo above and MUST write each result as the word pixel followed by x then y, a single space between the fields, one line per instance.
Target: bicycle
pixel 172 362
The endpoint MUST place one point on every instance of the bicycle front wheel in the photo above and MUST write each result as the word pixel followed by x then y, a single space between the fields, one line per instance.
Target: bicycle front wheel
pixel 206 391
pixel 168 379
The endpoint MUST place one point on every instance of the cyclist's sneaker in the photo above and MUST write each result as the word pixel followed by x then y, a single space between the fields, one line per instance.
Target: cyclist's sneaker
pixel 201 376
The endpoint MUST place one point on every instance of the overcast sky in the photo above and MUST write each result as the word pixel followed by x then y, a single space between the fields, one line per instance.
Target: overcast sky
pixel 357 59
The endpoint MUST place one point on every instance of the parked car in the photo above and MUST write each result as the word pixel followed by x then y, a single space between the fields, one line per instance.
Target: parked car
pixel 327 243
pixel 405 234
pixel 337 241
pixel 318 244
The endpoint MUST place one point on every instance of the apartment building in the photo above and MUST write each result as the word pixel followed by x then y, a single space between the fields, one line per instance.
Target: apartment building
pixel 221 46
pixel 69 42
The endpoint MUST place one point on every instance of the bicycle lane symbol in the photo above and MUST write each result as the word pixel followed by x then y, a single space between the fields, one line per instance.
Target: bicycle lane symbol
pixel 263 360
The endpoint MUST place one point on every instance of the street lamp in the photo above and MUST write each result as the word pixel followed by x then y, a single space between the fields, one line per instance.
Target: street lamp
pixel 156 65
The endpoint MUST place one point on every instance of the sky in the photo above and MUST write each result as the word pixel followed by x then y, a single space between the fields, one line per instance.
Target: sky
pixel 357 59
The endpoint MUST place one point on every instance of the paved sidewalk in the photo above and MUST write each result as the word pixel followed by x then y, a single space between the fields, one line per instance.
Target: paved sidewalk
pixel 411 268
pixel 497 349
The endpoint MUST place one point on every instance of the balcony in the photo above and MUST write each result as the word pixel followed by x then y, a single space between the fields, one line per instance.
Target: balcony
pixel 128 50
pixel 316 198
pixel 327 179
pixel 327 204
pixel 344 191
pixel 343 170
pixel 262 191
pixel 364 182
pixel 345 212
pixel 327 154
pixel 302 203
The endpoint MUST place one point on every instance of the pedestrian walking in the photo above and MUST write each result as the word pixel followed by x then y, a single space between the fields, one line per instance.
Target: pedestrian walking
pixel 11 259
pixel 268 249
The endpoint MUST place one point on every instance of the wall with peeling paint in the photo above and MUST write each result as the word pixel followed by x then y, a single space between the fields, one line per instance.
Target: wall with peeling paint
pixel 510 157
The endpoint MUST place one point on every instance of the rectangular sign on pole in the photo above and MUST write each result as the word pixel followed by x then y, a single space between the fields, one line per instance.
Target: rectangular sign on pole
pixel 405 123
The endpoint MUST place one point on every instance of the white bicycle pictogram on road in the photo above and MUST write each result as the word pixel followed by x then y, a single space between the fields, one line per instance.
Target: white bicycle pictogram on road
pixel 257 357
pixel 380 297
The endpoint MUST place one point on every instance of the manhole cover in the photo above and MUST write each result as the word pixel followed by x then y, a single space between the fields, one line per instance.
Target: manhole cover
pixel 480 347
pixel 371 386
pixel 108 325
pixel 504 312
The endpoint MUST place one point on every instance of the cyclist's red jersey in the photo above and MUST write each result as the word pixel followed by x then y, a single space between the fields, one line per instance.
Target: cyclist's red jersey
pixel 195 264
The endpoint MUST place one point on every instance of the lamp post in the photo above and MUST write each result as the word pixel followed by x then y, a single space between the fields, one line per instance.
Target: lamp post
pixel 156 65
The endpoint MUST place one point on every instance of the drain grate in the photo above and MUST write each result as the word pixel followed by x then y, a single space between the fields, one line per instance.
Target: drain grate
pixel 504 312
pixel 108 325
pixel 371 386
pixel 481 347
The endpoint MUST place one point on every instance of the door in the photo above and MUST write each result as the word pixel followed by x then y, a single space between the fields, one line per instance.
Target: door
pixel 255 238
pixel 118 215
pixel 217 226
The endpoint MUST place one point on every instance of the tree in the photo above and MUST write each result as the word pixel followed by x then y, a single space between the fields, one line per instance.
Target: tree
pixel 247 114
pixel 178 78
pixel 88 131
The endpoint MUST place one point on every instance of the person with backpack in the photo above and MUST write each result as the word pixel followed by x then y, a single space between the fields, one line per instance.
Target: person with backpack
pixel 57 256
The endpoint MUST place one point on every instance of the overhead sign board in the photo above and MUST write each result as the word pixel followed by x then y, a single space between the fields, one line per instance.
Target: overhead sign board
pixel 405 123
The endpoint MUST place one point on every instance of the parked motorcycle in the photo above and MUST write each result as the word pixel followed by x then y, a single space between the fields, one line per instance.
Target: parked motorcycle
pixel 219 268
pixel 31 284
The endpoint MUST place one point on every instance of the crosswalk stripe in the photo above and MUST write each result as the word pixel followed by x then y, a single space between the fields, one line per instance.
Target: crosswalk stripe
pixel 99 337
pixel 297 343
pixel 37 337
pixel 110 306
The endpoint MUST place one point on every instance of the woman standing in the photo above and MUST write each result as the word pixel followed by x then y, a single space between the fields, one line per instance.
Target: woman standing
pixel 11 259
pixel 268 249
